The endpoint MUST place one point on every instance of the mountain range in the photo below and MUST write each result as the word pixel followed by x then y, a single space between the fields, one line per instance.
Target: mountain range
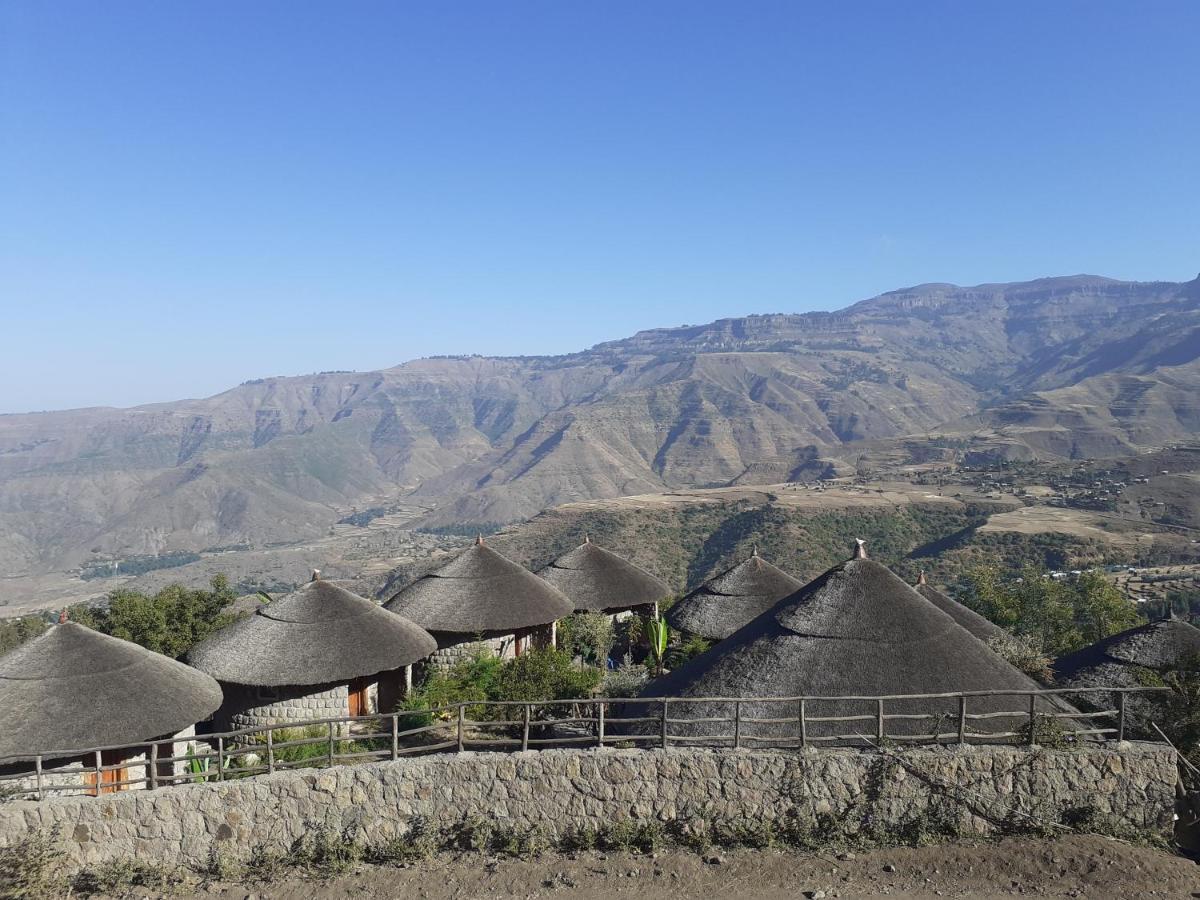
pixel 1070 367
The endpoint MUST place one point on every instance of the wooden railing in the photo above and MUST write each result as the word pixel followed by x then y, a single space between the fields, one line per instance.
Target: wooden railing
pixel 520 725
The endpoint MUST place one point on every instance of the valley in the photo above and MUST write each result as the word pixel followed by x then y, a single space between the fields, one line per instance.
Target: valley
pixel 915 517
pixel 887 403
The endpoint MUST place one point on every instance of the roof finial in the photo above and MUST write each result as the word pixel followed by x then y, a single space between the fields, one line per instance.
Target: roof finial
pixel 62 616
pixel 316 575
pixel 921 578
pixel 587 538
pixel 860 549
pixel 754 550
pixel 479 539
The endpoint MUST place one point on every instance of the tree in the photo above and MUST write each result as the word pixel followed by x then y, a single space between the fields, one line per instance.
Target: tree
pixel 171 622
pixel 1055 615
pixel 1100 609
pixel 14 632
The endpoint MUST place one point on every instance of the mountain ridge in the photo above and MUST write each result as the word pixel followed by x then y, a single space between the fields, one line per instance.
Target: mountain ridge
pixel 495 439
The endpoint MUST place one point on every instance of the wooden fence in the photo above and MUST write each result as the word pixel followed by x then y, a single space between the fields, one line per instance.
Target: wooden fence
pixel 519 725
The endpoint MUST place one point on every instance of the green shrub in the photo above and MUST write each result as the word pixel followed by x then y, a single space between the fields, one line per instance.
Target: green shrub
pixel 686 649
pixel 470 679
pixel 543 675
pixel 589 636
pixel 420 842
pixel 629 835
pixel 626 681
pixel 317 748
pixel 1021 654
pixel 27 867
pixel 329 852
pixel 119 875
pixel 538 675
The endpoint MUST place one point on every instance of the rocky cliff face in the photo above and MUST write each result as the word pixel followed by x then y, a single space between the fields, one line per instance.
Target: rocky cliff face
pixel 280 459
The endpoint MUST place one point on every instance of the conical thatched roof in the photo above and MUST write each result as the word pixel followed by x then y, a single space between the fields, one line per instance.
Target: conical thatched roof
pixel 597 580
pixel 1113 661
pixel 1121 660
pixel 320 634
pixel 73 688
pixel 723 604
pixel 982 628
pixel 857 630
pixel 481 592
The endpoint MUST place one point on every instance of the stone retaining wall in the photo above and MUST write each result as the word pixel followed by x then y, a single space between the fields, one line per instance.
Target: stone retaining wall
pixel 1130 787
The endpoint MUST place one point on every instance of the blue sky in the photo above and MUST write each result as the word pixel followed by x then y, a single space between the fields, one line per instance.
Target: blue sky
pixel 194 194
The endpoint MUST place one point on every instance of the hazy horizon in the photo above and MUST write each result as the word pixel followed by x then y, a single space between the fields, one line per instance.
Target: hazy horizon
pixel 321 370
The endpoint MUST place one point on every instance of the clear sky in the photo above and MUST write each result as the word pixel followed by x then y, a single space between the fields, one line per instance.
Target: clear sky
pixel 194 194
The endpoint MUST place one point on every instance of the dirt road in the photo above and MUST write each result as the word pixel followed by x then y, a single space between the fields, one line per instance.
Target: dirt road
pixel 1071 867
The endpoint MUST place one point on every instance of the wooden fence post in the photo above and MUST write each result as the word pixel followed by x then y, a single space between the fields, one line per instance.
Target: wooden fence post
pixel 803 726
pixel 395 736
pixel 330 743
pixel 664 722
pixel 154 766
pixel 600 723
pixel 37 768
pixel 737 724
pixel 1032 719
pixel 962 718
pixel 99 774
pixel 525 728
pixel 220 759
pixel 461 716
pixel 879 720
pixel 270 750
pixel 1121 716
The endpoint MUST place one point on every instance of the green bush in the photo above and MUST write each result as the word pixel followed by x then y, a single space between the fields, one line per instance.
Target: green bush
pixel 627 680
pixel 537 675
pixel 685 649
pixel 589 636
pixel 543 675
pixel 469 680
pixel 317 748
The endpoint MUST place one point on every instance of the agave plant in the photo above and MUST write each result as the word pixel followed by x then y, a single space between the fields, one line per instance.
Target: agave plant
pixel 657 633
pixel 202 767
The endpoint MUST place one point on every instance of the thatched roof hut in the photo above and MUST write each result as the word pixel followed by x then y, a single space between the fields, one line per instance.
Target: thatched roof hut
pixel 857 630
pixel 597 580
pixel 1116 660
pixel 72 688
pixel 723 604
pixel 982 628
pixel 480 592
pixel 320 634
pixel 1132 658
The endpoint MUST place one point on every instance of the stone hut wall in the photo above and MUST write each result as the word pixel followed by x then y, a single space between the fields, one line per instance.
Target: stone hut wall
pixel 76 777
pixel 1129 787
pixel 253 707
pixel 446 658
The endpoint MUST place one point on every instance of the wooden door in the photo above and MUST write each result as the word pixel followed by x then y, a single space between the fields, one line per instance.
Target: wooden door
pixel 359 702
pixel 110 780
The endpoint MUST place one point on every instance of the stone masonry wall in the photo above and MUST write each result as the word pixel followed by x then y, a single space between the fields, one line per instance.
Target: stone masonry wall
pixel 1130 787
pixel 446 658
pixel 247 707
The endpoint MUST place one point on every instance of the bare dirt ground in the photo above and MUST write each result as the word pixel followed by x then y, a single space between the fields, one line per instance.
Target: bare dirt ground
pixel 1076 866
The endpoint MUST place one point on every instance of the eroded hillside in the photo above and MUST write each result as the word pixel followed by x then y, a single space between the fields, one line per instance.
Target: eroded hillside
pixel 1069 366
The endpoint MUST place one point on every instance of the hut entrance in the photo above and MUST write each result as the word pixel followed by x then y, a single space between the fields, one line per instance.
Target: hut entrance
pixel 359 702
pixel 108 780
pixel 538 637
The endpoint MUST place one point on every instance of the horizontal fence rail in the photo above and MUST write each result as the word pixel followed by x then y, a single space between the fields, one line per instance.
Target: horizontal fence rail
pixel 648 722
